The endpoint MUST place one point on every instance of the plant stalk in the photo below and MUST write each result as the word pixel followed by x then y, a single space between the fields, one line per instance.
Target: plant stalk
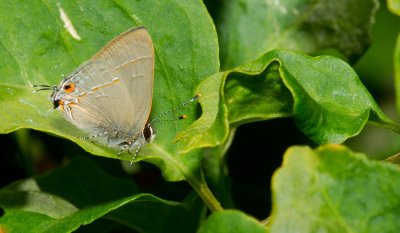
pixel 205 194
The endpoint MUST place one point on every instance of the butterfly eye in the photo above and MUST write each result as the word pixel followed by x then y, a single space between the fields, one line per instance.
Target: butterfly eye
pixel 56 103
pixel 69 87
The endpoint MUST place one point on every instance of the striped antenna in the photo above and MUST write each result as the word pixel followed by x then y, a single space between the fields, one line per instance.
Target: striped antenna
pixel 174 109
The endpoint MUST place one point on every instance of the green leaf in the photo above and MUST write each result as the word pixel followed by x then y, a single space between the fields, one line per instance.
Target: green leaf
pixel 231 221
pixel 323 94
pixel 81 193
pixel 36 48
pixel 396 60
pixel 212 127
pixel 332 189
pixel 394 6
pixel 249 28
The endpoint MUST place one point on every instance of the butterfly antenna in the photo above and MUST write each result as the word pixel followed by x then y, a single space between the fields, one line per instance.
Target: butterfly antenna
pixel 174 109
pixel 170 120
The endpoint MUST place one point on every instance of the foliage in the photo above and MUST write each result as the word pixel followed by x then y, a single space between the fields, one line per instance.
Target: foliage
pixel 278 60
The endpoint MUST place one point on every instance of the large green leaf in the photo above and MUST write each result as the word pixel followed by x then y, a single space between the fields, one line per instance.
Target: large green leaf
pixel 36 48
pixel 249 28
pixel 231 221
pixel 81 193
pixel 323 94
pixel 332 189
pixel 396 60
pixel 394 6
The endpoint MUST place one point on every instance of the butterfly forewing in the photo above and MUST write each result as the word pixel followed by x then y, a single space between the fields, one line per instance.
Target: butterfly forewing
pixel 114 89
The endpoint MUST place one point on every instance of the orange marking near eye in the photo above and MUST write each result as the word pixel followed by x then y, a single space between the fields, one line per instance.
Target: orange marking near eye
pixel 71 104
pixel 61 104
pixel 69 88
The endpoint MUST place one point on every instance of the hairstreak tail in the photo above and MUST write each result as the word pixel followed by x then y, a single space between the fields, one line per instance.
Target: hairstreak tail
pixel 110 95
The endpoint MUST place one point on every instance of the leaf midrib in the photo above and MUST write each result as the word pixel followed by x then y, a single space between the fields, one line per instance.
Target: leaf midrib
pixel 330 204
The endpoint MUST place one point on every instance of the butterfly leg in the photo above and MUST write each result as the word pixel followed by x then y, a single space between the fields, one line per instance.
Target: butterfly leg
pixel 138 148
pixel 125 145
pixel 135 143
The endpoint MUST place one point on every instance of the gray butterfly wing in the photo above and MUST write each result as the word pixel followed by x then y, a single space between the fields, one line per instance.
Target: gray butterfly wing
pixel 113 90
pixel 131 57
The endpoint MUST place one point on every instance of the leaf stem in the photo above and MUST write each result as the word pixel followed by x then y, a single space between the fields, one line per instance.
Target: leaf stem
pixel 387 124
pixel 201 188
